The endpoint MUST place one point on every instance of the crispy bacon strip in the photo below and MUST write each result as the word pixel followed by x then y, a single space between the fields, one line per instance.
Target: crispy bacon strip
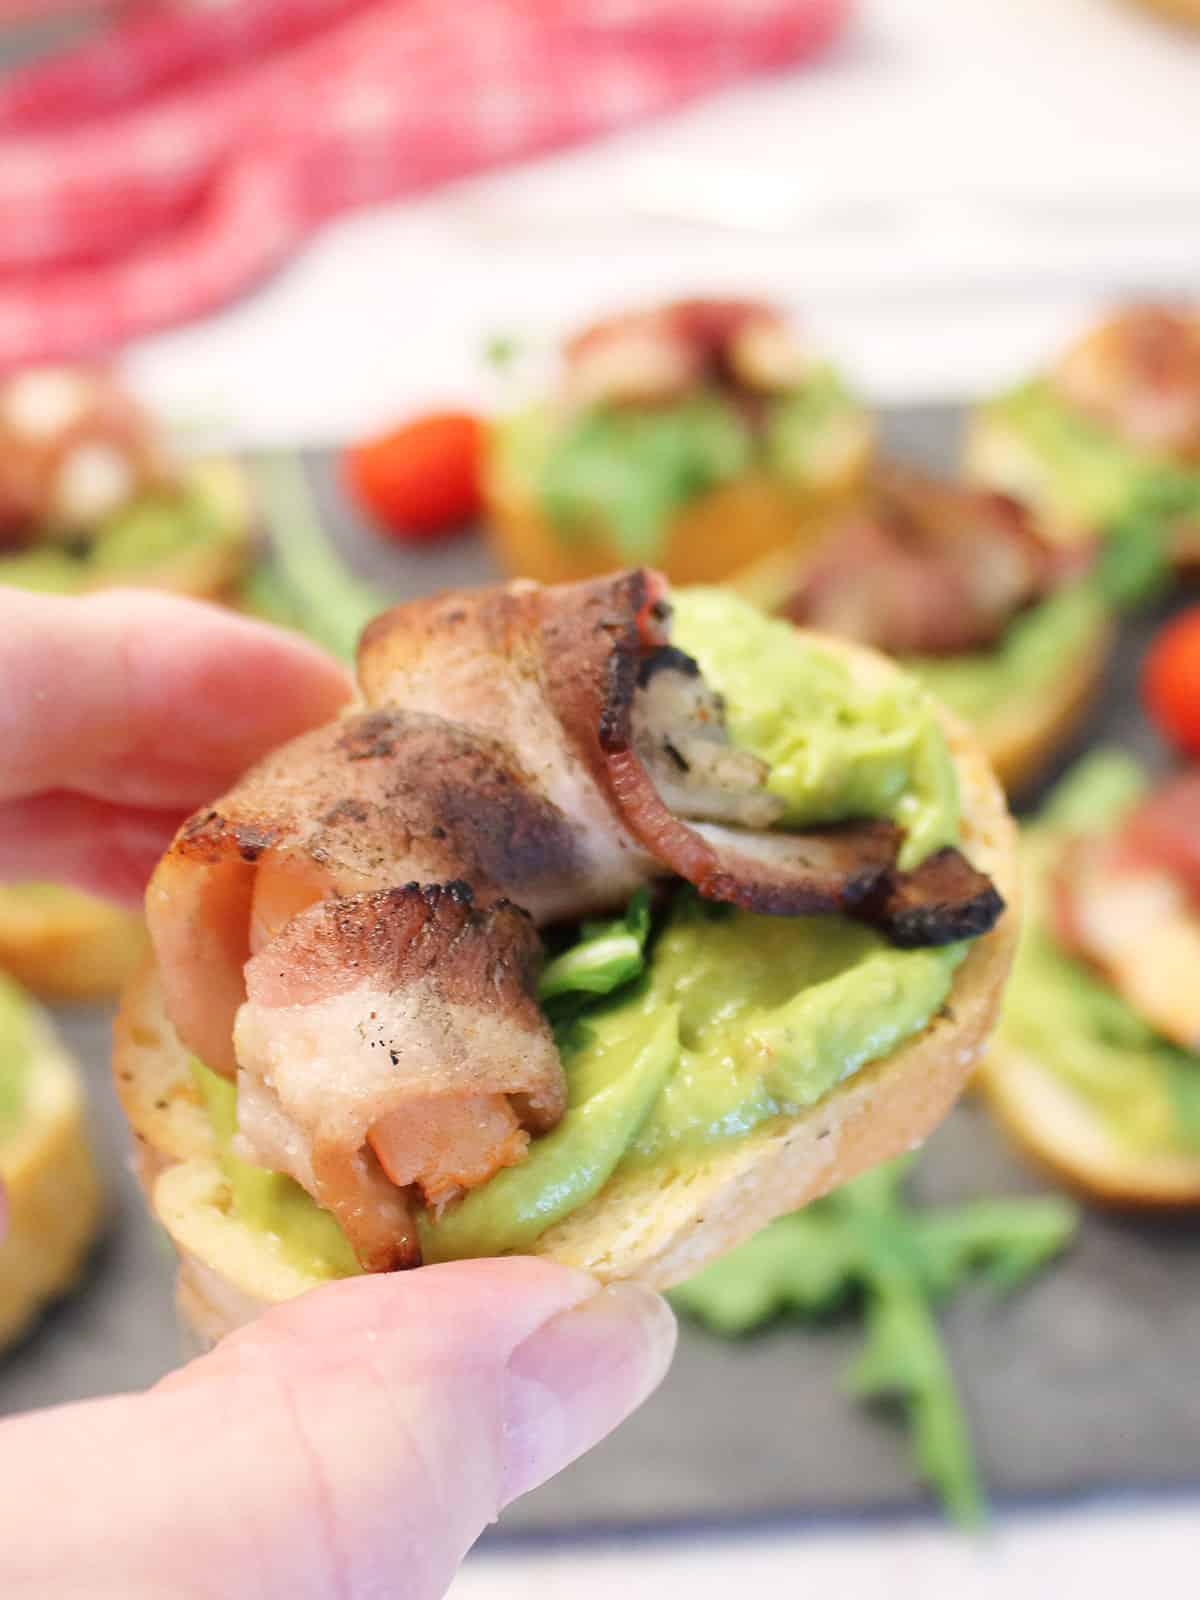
pixel 74 447
pixel 927 567
pixel 565 678
pixel 1139 374
pixel 1129 905
pixel 1164 831
pixel 656 355
pixel 372 800
pixel 389 1027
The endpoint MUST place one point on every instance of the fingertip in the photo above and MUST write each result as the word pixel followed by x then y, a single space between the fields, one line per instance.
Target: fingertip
pixel 209 691
pixel 579 1376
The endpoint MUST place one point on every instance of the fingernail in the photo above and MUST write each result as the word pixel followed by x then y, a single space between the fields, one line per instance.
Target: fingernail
pixel 578 1376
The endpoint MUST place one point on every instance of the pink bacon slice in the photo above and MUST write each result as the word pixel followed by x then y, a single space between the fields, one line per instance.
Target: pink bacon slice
pixel 1129 904
pixel 559 669
pixel 927 567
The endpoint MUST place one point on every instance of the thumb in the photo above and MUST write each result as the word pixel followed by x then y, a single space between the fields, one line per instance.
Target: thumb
pixel 355 1442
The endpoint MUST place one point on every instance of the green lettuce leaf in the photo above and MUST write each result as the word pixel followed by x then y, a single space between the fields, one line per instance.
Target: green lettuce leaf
pixel 605 957
pixel 864 1246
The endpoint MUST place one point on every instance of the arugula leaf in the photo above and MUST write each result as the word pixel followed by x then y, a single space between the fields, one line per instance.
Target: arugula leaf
pixel 903 1361
pixel 808 1263
pixel 865 1245
pixel 1135 564
pixel 606 956
pixel 630 469
pixel 1008 1240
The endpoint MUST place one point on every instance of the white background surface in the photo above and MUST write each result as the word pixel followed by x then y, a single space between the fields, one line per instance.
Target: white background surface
pixel 1042 1557
pixel 942 200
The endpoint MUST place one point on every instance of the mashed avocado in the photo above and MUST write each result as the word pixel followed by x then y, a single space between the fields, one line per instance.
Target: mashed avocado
pixel 1087 477
pixel 677 1038
pixel 836 749
pixel 16 1056
pixel 621 473
pixel 1035 651
pixel 800 426
pixel 271 1201
pixel 1096 475
pixel 1146 1089
pixel 735 1020
pixel 138 538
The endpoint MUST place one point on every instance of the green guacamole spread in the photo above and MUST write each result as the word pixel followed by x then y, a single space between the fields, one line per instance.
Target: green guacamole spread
pixel 1096 474
pixel 271 1201
pixel 1146 1089
pixel 836 749
pixel 143 535
pixel 16 1056
pixel 680 1036
pixel 622 473
pixel 1035 651
pixel 1092 478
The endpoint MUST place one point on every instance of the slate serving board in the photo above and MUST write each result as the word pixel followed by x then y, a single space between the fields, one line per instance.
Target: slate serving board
pixel 1084 1382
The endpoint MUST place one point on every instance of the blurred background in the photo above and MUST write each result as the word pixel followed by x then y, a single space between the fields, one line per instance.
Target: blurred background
pixel 299 224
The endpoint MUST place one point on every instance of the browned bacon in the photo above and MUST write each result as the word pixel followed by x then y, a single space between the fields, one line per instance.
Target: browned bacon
pixel 1130 905
pixel 395 1032
pixel 660 354
pixel 569 676
pixel 1139 374
pixel 74 447
pixel 926 567
pixel 351 930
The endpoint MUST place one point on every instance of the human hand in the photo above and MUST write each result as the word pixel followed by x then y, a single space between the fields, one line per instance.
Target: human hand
pixel 122 712
pixel 354 1442
pixel 351 1443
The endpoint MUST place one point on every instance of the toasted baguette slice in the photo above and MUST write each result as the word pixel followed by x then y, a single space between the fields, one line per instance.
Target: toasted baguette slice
pixel 65 945
pixel 712 536
pixel 1064 1135
pixel 53 1193
pixel 658 1228
pixel 1021 739
pixel 997 455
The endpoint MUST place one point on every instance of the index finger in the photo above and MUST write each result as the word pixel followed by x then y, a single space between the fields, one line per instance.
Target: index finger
pixel 148 700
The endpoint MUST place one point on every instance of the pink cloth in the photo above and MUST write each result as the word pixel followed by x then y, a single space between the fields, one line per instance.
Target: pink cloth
pixel 159 170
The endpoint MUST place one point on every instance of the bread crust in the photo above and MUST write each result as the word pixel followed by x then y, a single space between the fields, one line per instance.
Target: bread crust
pixel 53 1192
pixel 713 535
pixel 652 1226
pixel 1019 740
pixel 1066 1138
pixel 70 946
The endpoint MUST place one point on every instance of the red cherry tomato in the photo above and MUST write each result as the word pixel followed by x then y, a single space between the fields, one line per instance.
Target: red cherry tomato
pixel 421 481
pixel 1171 682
